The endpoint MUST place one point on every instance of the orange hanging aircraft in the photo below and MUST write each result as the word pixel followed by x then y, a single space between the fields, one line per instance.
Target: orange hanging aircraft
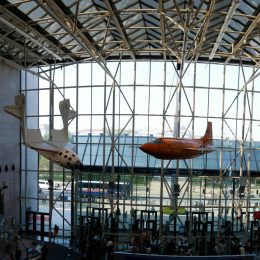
pixel 177 148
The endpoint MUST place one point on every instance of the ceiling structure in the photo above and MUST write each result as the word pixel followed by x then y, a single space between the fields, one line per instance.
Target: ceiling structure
pixel 43 32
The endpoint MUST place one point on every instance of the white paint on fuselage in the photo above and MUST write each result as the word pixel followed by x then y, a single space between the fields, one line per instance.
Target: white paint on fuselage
pixel 65 157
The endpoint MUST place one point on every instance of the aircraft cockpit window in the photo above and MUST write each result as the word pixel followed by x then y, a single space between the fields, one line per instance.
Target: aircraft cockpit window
pixel 156 141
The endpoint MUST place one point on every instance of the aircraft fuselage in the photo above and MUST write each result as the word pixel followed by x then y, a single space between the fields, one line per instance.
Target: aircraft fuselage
pixel 174 148
pixel 65 157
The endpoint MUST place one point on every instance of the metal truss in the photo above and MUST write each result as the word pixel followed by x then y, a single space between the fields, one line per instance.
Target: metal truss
pixel 43 32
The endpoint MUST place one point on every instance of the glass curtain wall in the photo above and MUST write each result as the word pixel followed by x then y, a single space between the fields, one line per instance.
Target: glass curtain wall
pixel 123 189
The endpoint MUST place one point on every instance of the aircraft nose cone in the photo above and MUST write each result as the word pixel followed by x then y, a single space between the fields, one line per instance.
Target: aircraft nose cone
pixel 142 147
pixel 151 148
pixel 79 164
pixel 145 148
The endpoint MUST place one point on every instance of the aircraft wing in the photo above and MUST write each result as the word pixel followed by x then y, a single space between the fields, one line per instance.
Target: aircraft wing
pixel 58 136
pixel 69 145
pixel 45 147
pixel 34 140
pixel 58 145
pixel 59 139
pixel 50 147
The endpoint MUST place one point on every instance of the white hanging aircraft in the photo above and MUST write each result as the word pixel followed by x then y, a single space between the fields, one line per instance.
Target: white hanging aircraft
pixel 58 149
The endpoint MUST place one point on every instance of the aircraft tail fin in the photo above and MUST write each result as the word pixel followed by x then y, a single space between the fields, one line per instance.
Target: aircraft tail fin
pixel 67 114
pixel 16 110
pixel 32 136
pixel 58 136
pixel 207 138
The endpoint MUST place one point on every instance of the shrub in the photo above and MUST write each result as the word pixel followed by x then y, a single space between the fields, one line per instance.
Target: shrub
pixel 169 210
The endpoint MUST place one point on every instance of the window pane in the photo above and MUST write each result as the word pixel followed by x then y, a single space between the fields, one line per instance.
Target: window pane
pixel 142 73
pixel 157 73
pixel 84 100
pixel 201 102
pixel 141 104
pixel 98 75
pixel 71 75
pixel 202 75
pixel 231 80
pixel 85 74
pixel 215 101
pixel 156 103
pixel 216 76
pixel 127 73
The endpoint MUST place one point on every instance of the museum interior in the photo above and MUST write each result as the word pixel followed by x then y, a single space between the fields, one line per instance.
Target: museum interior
pixel 134 124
